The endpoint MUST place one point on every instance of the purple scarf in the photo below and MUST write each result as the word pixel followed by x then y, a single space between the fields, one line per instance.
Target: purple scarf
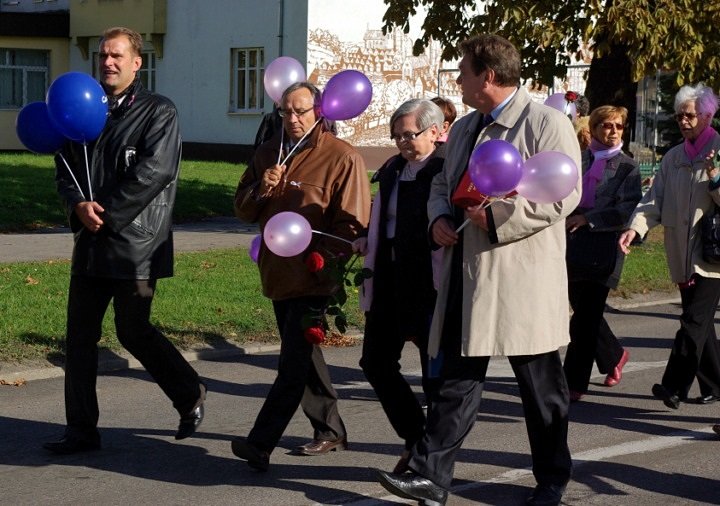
pixel 601 154
pixel 692 149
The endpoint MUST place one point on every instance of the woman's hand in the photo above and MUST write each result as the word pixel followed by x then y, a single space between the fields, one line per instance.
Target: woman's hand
pixel 626 238
pixel 572 223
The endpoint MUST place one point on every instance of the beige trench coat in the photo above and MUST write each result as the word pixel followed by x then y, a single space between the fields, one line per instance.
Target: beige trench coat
pixel 678 198
pixel 515 299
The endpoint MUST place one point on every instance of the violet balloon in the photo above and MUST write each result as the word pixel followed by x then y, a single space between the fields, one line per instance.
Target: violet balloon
pixel 548 176
pixel 287 234
pixel 495 167
pixel 280 74
pixel 254 250
pixel 557 101
pixel 346 95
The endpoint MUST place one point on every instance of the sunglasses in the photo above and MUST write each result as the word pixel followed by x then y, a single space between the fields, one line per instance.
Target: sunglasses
pixel 609 126
pixel 685 115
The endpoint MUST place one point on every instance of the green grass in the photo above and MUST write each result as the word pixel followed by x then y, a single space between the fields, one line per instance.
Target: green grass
pixel 30 201
pixel 645 269
pixel 214 296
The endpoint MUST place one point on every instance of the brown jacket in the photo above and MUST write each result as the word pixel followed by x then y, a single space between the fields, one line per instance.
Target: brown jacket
pixel 327 183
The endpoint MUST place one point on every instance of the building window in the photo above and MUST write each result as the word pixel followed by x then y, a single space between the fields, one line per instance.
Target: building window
pixel 23 77
pixel 248 66
pixel 146 73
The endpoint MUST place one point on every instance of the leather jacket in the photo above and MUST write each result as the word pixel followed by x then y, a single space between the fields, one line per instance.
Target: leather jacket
pixel 134 166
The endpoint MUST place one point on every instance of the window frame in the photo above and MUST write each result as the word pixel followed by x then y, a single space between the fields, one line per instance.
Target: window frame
pixel 253 97
pixel 25 69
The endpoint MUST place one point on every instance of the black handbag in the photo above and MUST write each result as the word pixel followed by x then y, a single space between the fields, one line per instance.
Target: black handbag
pixel 591 255
pixel 710 234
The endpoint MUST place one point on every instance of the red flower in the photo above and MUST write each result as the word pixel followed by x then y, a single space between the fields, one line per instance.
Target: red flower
pixel 315 262
pixel 571 96
pixel 315 335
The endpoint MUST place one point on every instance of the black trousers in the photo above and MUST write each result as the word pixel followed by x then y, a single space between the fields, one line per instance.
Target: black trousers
pixel 303 380
pixel 695 351
pixel 590 336
pixel 88 300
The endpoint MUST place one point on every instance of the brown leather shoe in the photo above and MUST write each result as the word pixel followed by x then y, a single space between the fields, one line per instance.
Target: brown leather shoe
pixel 319 447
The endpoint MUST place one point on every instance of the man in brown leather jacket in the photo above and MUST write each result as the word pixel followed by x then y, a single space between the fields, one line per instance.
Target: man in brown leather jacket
pixel 325 181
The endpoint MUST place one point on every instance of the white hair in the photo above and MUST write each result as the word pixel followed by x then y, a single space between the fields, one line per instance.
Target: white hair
pixel 706 102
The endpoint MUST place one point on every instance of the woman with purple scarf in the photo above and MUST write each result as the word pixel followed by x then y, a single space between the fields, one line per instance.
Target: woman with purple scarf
pixel 686 187
pixel 610 192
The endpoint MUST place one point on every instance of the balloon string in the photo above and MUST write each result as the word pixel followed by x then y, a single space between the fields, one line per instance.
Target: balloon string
pixel 333 236
pixel 282 137
pixel 72 175
pixel 483 205
pixel 299 142
pixel 87 171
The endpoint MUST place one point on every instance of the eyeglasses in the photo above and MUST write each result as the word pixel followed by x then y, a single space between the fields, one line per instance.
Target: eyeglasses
pixel 685 115
pixel 286 113
pixel 408 136
pixel 609 126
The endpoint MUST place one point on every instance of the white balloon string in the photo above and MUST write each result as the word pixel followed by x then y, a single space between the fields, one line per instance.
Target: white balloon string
pixel 87 171
pixel 72 175
pixel 483 205
pixel 299 142
pixel 282 137
pixel 333 236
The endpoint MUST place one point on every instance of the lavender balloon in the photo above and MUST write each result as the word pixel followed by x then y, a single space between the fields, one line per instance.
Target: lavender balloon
pixel 548 176
pixel 557 101
pixel 495 167
pixel 347 94
pixel 254 250
pixel 280 74
pixel 287 234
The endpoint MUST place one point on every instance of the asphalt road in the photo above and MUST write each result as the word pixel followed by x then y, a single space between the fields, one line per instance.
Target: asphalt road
pixel 628 448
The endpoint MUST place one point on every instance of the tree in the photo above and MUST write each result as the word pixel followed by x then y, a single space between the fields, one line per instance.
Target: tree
pixel 630 39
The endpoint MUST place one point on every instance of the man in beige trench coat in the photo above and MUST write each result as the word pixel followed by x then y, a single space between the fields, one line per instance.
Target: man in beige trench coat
pixel 503 285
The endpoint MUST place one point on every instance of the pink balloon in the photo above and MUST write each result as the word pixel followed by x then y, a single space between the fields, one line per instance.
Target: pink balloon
pixel 287 234
pixel 254 250
pixel 495 167
pixel 557 101
pixel 346 95
pixel 280 74
pixel 548 177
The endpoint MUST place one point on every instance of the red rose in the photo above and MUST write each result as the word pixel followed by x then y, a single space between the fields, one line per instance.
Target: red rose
pixel 315 262
pixel 314 335
pixel 571 96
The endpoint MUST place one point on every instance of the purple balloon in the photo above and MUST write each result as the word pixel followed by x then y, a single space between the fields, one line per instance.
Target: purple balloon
pixel 346 95
pixel 548 176
pixel 280 74
pixel 254 250
pixel 557 101
pixel 36 131
pixel 287 234
pixel 495 167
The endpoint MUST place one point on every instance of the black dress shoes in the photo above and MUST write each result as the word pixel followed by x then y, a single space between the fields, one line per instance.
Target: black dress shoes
pixel 256 458
pixel 189 422
pixel 413 486
pixel 546 495
pixel 706 399
pixel 69 445
pixel 669 399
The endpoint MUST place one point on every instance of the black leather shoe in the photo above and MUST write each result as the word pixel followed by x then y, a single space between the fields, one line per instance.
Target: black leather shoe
pixel 413 486
pixel 256 458
pixel 69 445
pixel 706 399
pixel 192 420
pixel 546 495
pixel 669 399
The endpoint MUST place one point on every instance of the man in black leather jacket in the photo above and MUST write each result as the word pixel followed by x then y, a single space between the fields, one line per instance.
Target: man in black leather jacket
pixel 123 243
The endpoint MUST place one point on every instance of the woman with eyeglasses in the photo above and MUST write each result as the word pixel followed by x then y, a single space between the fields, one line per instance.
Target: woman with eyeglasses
pixel 686 187
pixel 400 297
pixel 610 191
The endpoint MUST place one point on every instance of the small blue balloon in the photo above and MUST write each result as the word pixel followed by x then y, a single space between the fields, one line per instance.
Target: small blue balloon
pixel 78 106
pixel 36 131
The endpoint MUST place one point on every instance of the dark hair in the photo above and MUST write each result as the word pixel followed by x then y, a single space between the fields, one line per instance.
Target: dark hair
pixel 447 107
pixel 490 51
pixel 314 90
pixel 582 105
pixel 136 41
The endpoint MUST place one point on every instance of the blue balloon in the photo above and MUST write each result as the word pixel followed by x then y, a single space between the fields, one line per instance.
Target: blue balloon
pixel 36 131
pixel 78 106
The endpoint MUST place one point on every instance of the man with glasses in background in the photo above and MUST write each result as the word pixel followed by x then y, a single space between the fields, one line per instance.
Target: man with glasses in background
pixel 305 169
